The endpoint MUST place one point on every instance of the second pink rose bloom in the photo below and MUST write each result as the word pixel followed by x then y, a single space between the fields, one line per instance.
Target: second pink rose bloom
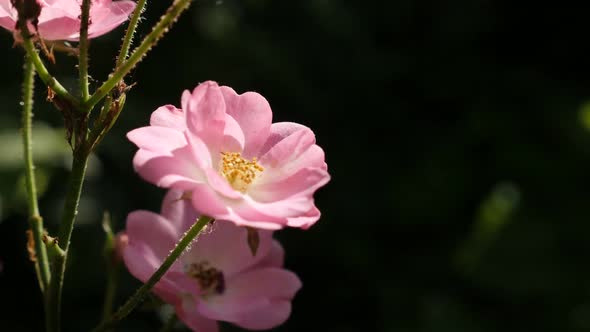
pixel 60 19
pixel 217 278
pixel 237 165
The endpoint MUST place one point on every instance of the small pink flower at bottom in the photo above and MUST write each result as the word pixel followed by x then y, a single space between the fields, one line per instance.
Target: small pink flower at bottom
pixel 60 19
pixel 217 278
pixel 239 166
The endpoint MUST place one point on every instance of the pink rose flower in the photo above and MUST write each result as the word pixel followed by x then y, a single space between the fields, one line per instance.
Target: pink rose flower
pixel 60 19
pixel 217 278
pixel 239 166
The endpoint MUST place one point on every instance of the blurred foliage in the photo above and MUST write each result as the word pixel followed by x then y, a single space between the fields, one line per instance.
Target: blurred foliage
pixel 456 132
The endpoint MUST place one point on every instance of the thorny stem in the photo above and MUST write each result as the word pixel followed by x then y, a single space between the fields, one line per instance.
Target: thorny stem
pixel 98 133
pixel 74 190
pixel 146 45
pixel 42 71
pixel 35 220
pixel 112 262
pixel 139 295
pixel 83 46
pixel 128 39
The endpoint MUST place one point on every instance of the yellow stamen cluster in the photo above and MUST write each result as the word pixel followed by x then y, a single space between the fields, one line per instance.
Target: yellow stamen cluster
pixel 211 280
pixel 239 172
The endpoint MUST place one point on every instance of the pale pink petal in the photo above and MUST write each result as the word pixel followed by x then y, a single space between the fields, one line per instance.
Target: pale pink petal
pixel 141 264
pixel 205 115
pixel 276 211
pixel 260 293
pixel 60 19
pixel 188 314
pixel 150 239
pixel 183 284
pixel 253 113
pixel 157 139
pixel 168 116
pixel 208 202
pixel 60 28
pixel 153 231
pixel 70 8
pixel 177 170
pixel 274 258
pixel 233 137
pixel 264 318
pixel 177 208
pixel 201 155
pixel 304 182
pixel 278 131
pixel 220 184
pixel 288 149
pixel 184 101
pixel 305 221
pixel 225 247
pixel 262 222
pixel 6 9
pixel 105 19
pixel 7 23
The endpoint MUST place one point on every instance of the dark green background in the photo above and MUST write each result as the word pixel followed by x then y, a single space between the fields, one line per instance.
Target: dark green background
pixel 455 133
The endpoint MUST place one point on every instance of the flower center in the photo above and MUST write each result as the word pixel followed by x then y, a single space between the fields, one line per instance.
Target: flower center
pixel 210 279
pixel 239 172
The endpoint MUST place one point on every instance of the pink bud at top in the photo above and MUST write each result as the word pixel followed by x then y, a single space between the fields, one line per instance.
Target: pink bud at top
pixel 60 19
pixel 121 242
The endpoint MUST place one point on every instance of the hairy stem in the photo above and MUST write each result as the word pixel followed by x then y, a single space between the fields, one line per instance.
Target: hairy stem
pixel 65 231
pixel 128 39
pixel 140 294
pixel 35 220
pixel 148 42
pixel 83 46
pixel 42 71
pixel 112 267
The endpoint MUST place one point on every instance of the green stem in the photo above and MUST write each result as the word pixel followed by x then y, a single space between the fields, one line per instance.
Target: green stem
pixel 83 46
pixel 65 231
pixel 139 295
pixel 42 71
pixel 35 220
pixel 169 326
pixel 112 262
pixel 128 39
pixel 148 42
pixel 111 291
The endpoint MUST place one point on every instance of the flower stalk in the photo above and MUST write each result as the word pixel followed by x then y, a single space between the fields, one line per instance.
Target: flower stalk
pixel 130 32
pixel 35 219
pixel 141 292
pixel 166 21
pixel 53 302
pixel 83 49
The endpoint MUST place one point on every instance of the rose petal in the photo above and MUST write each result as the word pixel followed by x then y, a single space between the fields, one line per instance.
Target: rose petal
pixel 105 19
pixel 178 210
pixel 288 149
pixel 153 231
pixel 275 256
pixel 168 116
pixel 258 293
pixel 253 113
pixel 157 139
pixel 205 114
pixel 176 170
pixel 225 247
pixel 188 314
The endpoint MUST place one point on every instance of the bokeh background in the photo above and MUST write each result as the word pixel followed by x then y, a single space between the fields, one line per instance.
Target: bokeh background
pixel 457 134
